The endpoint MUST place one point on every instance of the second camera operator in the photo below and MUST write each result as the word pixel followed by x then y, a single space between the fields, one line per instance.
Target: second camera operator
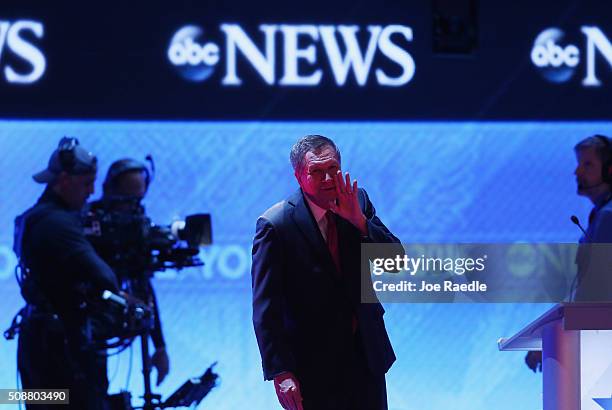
pixel 125 186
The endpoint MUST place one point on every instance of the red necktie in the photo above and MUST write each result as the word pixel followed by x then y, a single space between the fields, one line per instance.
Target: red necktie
pixel 332 244
pixel 332 239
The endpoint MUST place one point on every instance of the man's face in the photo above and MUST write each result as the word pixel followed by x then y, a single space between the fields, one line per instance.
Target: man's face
pixel 132 184
pixel 588 170
pixel 316 178
pixel 75 189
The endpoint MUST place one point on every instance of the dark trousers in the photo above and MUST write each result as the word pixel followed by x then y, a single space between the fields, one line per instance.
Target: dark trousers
pixel 48 359
pixel 353 387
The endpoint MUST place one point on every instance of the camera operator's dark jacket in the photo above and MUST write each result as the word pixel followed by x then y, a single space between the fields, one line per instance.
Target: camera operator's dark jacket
pixel 50 242
pixel 55 334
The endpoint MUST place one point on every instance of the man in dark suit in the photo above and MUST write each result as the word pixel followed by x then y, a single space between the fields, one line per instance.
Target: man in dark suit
pixel 593 282
pixel 323 348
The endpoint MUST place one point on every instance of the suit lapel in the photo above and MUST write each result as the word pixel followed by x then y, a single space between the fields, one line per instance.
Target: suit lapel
pixel 303 218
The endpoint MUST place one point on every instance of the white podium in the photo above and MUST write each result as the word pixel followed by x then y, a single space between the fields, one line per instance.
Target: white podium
pixel 576 344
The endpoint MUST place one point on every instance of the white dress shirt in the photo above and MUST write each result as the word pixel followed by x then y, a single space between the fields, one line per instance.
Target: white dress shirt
pixel 319 216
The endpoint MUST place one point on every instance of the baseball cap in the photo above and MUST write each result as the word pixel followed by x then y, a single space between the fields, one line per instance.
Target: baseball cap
pixel 69 157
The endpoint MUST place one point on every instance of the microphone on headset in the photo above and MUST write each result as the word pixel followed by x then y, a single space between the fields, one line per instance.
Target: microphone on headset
pixel 149 159
pixel 576 221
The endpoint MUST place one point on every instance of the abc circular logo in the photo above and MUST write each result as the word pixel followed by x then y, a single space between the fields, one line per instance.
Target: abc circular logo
pixel 193 57
pixel 554 58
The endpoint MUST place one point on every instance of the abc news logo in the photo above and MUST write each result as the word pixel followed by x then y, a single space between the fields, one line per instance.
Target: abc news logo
pixel 196 59
pixel 21 60
pixel 557 59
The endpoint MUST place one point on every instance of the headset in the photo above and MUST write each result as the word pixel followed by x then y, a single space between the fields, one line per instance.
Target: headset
pixel 606 166
pixel 65 150
pixel 122 166
pixel 71 156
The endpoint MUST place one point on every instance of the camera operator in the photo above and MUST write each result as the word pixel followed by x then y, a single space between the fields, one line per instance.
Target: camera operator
pixel 125 185
pixel 59 272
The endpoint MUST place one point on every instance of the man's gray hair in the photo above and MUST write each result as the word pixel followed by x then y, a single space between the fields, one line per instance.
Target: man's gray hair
pixel 602 145
pixel 310 143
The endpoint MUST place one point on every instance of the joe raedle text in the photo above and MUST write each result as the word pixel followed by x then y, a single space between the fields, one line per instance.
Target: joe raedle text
pixel 427 287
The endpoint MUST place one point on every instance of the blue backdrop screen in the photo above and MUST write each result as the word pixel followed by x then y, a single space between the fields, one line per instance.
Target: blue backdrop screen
pixel 429 181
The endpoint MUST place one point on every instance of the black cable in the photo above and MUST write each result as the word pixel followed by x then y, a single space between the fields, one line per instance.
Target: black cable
pixel 18 275
pixel 120 349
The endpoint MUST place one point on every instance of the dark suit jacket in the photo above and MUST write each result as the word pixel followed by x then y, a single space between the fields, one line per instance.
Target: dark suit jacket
pixel 302 307
pixel 594 281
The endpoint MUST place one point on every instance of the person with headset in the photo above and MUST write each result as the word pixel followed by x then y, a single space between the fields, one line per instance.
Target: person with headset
pixel 59 271
pixel 594 180
pixel 125 186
